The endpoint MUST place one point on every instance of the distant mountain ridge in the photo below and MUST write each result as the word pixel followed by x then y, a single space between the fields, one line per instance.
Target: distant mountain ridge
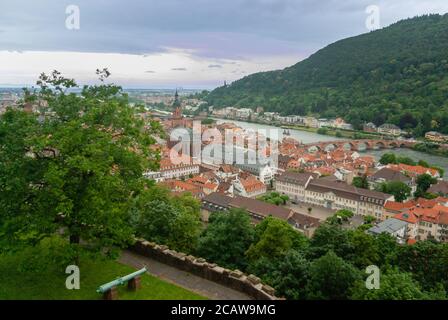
pixel 398 75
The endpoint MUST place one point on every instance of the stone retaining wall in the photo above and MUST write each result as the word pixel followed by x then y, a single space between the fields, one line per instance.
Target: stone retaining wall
pixel 234 279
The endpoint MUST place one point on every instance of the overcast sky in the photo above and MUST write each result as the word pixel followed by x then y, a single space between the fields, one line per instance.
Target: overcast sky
pixel 179 43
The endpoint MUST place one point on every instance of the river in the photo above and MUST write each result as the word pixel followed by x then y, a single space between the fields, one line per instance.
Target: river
pixel 310 137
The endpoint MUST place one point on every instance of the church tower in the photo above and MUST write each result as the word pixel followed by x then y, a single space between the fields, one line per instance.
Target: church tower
pixel 177 114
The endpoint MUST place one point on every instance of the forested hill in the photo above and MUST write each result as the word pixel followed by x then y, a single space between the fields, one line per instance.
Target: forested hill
pixel 398 74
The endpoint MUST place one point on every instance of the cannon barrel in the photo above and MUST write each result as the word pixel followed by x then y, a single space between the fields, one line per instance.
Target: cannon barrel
pixel 120 281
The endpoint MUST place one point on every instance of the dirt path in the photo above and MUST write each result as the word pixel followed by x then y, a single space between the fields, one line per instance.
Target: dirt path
pixel 204 287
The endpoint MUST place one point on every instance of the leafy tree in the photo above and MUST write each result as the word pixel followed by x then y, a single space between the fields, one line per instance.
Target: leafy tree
pixel 406 160
pixel 427 261
pixel 75 165
pixel 275 198
pixel 388 248
pixel 388 158
pixel 173 221
pixel 394 285
pixel 424 182
pixel 226 239
pixel 273 238
pixel 423 163
pixel 361 182
pixel 322 131
pixel 156 220
pixel 400 190
pixel 187 226
pixel 330 237
pixel 369 219
pixel 366 251
pixel 340 217
pixel 330 278
pixel 288 275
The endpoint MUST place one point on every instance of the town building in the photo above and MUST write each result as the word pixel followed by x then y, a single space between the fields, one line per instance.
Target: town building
pixel 338 195
pixel 441 188
pixel 183 169
pixel 414 171
pixel 389 129
pixel 394 227
pixel 385 175
pixel 436 137
pixel 369 127
pixel 426 219
pixel 182 187
pixel 264 172
pixel 331 194
pixel 293 184
pixel 258 211
pixel 249 187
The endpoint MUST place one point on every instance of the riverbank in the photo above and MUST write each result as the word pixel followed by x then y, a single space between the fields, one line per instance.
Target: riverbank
pixel 326 131
pixel 339 133
pixel 432 149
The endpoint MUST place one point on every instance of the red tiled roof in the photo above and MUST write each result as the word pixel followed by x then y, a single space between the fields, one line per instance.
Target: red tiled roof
pixel 251 184
pixel 416 170
pixel 397 206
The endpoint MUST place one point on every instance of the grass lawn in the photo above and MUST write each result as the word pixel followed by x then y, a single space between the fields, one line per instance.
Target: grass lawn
pixel 21 285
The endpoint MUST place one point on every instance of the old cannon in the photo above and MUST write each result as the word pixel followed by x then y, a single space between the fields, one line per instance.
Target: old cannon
pixel 109 290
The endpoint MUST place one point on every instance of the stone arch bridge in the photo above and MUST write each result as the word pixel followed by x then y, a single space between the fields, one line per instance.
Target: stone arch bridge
pixel 359 145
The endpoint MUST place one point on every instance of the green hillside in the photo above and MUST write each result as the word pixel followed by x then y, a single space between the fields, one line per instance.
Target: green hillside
pixel 398 74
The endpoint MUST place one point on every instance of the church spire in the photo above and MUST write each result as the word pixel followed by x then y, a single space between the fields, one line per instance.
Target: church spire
pixel 176 102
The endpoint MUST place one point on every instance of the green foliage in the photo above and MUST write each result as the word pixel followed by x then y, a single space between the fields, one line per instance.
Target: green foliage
pixel 428 262
pixel 406 160
pixel 322 131
pixel 340 217
pixel 330 237
pixel 207 121
pixel 369 219
pixel 75 166
pixel 330 278
pixel 394 285
pixel 400 190
pixel 226 239
pixel 274 198
pixel 423 163
pixel 361 182
pixel 388 158
pixel 273 238
pixel 51 254
pixel 171 221
pixel 365 249
pixel 288 275
pixel 432 148
pixel 24 278
pixel 394 75
pixel 424 182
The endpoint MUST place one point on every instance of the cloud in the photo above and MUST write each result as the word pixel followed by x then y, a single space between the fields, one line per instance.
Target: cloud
pixel 149 71
pixel 248 34
pixel 234 29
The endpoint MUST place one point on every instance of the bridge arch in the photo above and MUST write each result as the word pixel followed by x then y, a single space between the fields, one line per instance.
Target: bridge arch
pixel 393 145
pixel 378 145
pixel 362 146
